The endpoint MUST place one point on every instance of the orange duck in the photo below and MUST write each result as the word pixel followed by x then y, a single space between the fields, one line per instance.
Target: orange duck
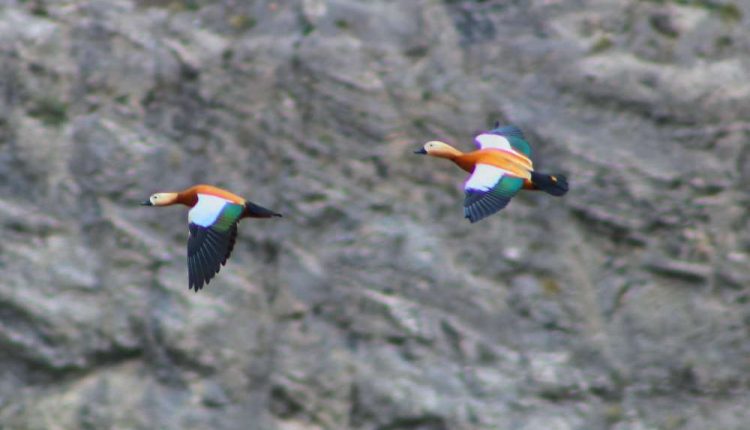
pixel 499 169
pixel 212 221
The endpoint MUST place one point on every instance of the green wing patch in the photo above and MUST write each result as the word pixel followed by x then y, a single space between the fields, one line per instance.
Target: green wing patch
pixel 515 137
pixel 481 204
pixel 230 214
pixel 508 186
pixel 520 145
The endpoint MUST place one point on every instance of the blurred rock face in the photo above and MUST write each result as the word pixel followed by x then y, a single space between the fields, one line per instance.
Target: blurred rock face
pixel 373 304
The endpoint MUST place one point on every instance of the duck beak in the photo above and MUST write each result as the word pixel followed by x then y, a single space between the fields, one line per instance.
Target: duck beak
pixel 147 203
pixel 421 152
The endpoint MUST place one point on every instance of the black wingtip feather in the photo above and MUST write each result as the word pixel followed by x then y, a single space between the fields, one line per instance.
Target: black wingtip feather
pixel 479 205
pixel 208 250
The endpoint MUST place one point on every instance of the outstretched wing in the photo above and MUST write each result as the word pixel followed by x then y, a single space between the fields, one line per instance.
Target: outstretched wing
pixel 507 131
pixel 213 231
pixel 488 190
pixel 509 138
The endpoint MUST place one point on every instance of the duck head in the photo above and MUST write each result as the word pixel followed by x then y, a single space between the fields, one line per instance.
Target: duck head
pixel 161 199
pixel 439 149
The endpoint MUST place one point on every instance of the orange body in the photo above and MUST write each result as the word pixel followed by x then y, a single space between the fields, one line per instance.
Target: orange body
pixel 517 165
pixel 189 197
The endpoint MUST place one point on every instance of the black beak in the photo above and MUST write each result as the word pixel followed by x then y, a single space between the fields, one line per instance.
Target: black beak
pixel 147 203
pixel 421 152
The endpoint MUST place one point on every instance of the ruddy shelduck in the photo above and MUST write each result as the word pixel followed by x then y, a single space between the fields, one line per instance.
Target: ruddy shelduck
pixel 212 222
pixel 500 168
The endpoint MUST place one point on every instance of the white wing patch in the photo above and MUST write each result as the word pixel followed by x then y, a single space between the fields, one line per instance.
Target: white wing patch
pixel 493 141
pixel 484 177
pixel 208 208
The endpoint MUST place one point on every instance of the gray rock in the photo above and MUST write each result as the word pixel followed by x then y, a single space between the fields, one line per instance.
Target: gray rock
pixel 372 304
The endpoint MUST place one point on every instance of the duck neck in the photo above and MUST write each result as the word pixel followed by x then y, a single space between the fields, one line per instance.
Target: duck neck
pixel 187 197
pixel 448 152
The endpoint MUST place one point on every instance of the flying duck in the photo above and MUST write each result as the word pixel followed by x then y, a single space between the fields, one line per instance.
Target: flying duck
pixel 499 169
pixel 212 221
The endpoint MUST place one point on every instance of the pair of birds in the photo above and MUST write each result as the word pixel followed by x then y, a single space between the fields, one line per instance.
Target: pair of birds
pixel 499 169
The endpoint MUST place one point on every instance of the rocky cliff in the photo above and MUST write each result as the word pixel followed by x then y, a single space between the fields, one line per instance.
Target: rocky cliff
pixel 373 304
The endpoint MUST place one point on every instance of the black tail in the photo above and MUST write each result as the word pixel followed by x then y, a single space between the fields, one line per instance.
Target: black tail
pixel 557 185
pixel 255 211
